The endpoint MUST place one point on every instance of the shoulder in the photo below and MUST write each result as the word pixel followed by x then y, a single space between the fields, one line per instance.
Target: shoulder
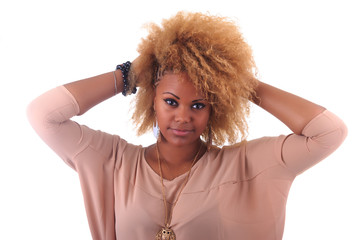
pixel 254 149
pixel 128 154
pixel 249 158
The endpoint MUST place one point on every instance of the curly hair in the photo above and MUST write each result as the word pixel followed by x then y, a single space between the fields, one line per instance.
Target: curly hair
pixel 218 61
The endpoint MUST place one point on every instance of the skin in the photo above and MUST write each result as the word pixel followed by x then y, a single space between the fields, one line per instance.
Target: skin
pixel 295 112
pixel 182 114
pixel 181 111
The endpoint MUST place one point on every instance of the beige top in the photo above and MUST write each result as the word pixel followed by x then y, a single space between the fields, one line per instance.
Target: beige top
pixel 236 192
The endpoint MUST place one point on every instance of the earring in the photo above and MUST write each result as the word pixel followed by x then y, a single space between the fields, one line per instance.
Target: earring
pixel 156 131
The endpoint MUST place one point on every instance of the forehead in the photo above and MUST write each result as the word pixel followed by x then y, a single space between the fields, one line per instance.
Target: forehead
pixel 177 83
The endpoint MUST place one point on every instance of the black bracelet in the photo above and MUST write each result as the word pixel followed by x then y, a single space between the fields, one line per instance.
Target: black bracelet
pixel 125 68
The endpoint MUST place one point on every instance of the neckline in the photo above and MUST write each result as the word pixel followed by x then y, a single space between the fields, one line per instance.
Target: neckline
pixel 176 179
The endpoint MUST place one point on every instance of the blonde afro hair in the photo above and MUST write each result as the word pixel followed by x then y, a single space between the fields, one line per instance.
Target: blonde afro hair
pixel 218 61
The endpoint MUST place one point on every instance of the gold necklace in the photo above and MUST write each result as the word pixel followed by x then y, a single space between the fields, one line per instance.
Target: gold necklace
pixel 166 233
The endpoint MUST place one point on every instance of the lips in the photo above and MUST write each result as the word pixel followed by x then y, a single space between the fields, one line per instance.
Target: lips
pixel 181 132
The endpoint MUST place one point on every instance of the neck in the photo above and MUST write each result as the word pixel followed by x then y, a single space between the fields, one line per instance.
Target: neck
pixel 176 156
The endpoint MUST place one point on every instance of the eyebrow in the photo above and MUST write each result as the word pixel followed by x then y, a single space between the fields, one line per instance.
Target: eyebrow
pixel 196 100
pixel 171 94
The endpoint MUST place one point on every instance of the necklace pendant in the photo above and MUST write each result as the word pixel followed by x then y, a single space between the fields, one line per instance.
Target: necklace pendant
pixel 165 234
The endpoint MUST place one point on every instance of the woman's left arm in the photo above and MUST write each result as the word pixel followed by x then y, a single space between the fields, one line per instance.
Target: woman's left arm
pixel 318 132
pixel 294 111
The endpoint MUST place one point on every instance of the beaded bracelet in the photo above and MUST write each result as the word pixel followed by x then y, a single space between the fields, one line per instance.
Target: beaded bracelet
pixel 125 68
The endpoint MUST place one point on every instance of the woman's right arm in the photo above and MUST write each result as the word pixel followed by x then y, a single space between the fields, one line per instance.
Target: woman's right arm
pixel 91 91
pixel 50 115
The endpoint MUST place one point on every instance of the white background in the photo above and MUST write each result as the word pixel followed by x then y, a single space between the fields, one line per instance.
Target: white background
pixel 310 48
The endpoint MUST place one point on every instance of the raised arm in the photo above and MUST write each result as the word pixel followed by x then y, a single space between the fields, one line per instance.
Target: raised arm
pixel 318 132
pixel 295 112
pixel 91 91
pixel 50 115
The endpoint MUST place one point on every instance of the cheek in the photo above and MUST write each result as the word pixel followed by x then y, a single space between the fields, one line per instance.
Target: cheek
pixel 163 118
pixel 203 120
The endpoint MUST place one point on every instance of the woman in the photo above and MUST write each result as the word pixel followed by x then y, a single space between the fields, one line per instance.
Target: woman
pixel 195 78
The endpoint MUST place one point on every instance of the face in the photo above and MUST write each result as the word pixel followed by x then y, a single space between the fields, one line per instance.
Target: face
pixel 182 113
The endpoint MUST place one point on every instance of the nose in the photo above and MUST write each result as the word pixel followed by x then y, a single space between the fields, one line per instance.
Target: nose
pixel 183 115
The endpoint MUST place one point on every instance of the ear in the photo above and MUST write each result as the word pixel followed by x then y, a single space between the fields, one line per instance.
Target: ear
pixel 154 103
pixel 154 100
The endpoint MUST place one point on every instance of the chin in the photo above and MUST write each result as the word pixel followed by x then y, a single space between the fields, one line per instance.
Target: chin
pixel 179 141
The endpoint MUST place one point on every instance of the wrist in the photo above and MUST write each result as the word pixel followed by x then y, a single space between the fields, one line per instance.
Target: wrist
pixel 118 79
pixel 128 85
pixel 255 97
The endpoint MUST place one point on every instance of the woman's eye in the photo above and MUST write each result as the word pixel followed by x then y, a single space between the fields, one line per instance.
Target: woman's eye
pixel 170 102
pixel 198 106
